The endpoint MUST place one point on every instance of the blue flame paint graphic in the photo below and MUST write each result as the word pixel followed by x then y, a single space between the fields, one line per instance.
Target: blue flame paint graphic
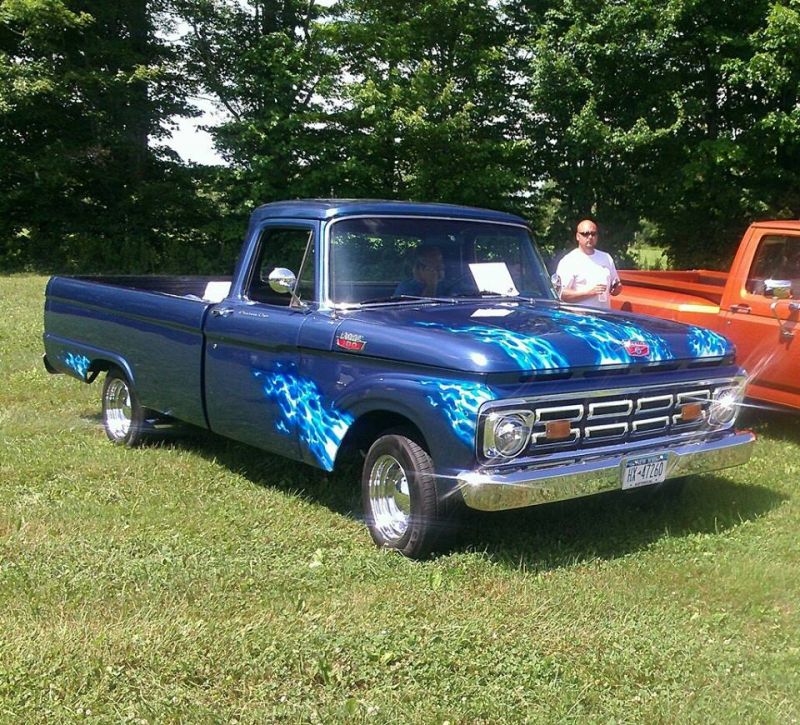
pixel 79 364
pixel 706 343
pixel 320 427
pixel 607 337
pixel 459 403
pixel 528 351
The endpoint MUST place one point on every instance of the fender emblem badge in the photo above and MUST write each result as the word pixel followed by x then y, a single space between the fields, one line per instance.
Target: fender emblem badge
pixel 351 342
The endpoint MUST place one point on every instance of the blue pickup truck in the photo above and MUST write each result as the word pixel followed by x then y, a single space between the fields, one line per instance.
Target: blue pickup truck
pixel 430 338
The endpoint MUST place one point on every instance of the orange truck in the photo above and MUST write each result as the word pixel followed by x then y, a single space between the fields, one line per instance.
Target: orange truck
pixel 756 304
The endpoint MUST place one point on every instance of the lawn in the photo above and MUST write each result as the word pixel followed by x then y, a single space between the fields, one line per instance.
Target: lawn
pixel 201 580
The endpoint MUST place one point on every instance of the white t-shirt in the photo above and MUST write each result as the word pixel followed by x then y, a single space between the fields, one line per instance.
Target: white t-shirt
pixel 580 271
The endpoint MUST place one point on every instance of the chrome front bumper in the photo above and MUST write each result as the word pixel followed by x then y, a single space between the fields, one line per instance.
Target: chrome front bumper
pixel 488 490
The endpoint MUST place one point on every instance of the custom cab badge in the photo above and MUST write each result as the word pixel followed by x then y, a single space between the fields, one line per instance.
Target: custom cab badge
pixel 350 341
pixel 634 348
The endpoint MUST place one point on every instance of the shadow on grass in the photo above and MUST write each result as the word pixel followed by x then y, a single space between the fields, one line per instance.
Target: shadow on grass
pixel 544 537
pixel 613 524
pixel 778 424
pixel 551 536
pixel 340 492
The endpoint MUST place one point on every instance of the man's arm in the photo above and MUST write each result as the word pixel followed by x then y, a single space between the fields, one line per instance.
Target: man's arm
pixel 616 282
pixel 568 291
pixel 571 295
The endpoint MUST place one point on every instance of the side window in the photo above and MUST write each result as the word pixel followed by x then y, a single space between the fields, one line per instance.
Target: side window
pixel 777 257
pixel 289 247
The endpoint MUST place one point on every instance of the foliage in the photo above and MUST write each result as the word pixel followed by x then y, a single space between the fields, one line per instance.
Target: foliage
pixel 269 68
pixel 677 123
pixel 684 114
pixel 85 88
pixel 423 112
pixel 199 580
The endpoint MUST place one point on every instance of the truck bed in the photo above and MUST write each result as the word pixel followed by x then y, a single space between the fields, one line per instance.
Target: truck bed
pixel 692 296
pixel 705 284
pixel 151 327
pixel 193 287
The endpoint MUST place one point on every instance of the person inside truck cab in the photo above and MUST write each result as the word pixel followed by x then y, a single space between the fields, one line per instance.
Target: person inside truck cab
pixel 588 276
pixel 427 273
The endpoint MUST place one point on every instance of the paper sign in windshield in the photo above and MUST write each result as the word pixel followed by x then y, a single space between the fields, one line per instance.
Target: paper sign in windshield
pixel 494 278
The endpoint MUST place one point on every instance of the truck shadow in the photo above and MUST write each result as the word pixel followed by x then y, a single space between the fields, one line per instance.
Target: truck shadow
pixel 545 537
pixel 613 524
pixel 778 424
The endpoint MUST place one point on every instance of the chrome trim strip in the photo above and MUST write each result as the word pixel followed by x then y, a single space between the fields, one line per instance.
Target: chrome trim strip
pixel 595 407
pixel 641 402
pixel 559 409
pixel 647 421
pixel 607 392
pixel 491 491
pixel 575 434
pixel 678 422
pixel 694 396
pixel 621 427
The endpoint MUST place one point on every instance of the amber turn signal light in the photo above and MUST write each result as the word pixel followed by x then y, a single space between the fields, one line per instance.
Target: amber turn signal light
pixel 557 430
pixel 691 411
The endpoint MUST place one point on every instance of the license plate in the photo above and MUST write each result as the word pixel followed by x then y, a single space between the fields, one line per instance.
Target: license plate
pixel 644 471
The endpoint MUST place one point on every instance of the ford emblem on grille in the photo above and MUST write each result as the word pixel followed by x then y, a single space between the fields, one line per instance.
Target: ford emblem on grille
pixel 634 348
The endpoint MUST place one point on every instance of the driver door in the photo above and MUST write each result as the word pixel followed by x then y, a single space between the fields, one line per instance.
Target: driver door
pixel 764 326
pixel 252 356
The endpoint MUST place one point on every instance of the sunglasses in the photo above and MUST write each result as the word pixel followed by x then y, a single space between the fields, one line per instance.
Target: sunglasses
pixel 588 234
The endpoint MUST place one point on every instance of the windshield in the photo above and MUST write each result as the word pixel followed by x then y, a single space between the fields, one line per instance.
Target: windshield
pixel 380 259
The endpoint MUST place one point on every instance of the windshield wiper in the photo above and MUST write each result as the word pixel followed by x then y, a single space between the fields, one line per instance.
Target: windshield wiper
pixel 485 293
pixel 391 298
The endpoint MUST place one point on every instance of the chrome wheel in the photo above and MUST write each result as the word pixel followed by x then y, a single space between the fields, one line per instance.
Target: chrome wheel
pixel 398 490
pixel 117 409
pixel 389 497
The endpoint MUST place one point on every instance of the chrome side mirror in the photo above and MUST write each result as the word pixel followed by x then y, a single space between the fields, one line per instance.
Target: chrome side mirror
pixel 282 280
pixel 556 280
pixel 780 289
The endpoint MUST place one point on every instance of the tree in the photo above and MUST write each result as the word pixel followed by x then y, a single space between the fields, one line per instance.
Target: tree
pixel 360 99
pixel 684 114
pixel 267 66
pixel 423 110
pixel 85 88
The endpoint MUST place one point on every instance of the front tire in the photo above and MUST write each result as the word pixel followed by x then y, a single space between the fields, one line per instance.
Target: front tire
pixel 123 416
pixel 398 489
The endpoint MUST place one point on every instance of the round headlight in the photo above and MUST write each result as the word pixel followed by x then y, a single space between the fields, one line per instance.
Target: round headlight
pixel 725 405
pixel 507 435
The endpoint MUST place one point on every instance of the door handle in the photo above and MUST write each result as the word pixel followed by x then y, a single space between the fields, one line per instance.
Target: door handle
pixel 741 309
pixel 222 311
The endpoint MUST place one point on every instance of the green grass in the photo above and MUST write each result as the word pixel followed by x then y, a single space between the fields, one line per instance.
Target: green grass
pixel 202 580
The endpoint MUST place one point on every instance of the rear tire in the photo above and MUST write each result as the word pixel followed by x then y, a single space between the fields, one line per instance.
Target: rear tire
pixel 123 416
pixel 398 490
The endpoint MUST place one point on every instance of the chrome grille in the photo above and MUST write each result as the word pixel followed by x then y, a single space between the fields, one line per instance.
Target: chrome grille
pixel 615 417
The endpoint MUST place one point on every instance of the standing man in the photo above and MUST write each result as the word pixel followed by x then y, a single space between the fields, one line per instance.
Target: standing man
pixel 588 275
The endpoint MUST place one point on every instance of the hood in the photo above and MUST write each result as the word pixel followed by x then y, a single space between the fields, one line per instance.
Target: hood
pixel 508 336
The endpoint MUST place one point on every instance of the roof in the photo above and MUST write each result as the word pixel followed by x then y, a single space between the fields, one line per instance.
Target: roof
pixel 324 209
pixel 788 224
